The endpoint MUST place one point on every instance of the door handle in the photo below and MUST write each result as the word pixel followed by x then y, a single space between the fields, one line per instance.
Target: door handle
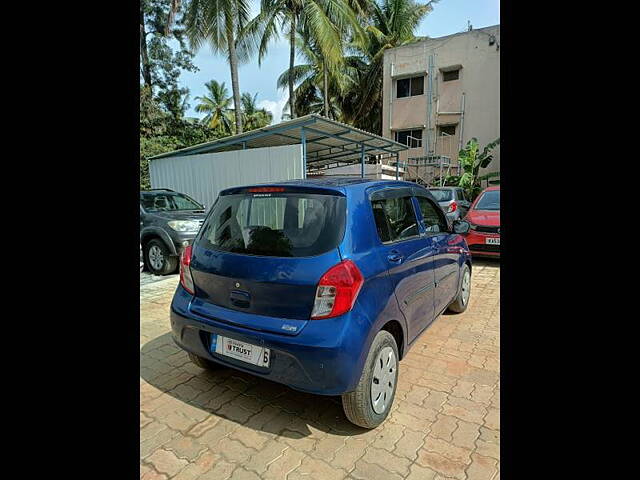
pixel 394 256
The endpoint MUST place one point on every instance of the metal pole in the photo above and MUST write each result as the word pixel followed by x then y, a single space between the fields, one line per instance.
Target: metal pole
pixel 362 160
pixel 397 166
pixel 244 145
pixel 303 136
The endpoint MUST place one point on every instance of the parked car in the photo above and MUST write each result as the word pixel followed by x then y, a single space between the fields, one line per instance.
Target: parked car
pixel 322 285
pixel 484 220
pixel 452 200
pixel 169 221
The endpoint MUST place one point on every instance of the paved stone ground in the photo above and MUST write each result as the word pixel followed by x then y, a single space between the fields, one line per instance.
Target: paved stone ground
pixel 445 422
pixel 147 278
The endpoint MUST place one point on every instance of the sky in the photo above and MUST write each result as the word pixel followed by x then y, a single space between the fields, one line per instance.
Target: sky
pixel 447 17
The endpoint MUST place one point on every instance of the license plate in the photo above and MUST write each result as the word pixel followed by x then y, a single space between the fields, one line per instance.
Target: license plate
pixel 492 241
pixel 245 352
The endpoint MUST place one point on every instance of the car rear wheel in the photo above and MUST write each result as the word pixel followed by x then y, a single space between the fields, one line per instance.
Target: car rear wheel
pixel 369 404
pixel 158 258
pixel 461 301
pixel 202 362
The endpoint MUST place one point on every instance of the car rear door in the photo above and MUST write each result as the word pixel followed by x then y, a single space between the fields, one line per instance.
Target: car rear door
pixel 445 258
pixel 263 252
pixel 408 255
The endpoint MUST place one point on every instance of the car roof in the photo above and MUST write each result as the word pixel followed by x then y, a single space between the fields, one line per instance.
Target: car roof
pixel 333 183
pixel 490 189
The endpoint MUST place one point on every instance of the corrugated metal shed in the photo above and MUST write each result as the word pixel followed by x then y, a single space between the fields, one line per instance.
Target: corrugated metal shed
pixel 203 176
pixel 323 141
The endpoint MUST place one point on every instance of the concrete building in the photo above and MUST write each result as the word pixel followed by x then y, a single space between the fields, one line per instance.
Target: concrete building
pixel 438 93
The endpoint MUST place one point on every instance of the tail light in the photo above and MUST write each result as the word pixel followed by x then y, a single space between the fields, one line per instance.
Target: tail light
pixel 337 290
pixel 186 280
pixel 453 207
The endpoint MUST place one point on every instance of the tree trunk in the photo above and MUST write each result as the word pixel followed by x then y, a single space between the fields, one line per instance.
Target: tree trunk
pixel 292 60
pixel 144 53
pixel 233 64
pixel 325 80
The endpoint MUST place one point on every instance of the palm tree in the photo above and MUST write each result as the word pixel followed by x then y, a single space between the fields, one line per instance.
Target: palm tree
pixel 393 23
pixel 318 87
pixel 219 23
pixel 217 107
pixel 253 116
pixel 325 20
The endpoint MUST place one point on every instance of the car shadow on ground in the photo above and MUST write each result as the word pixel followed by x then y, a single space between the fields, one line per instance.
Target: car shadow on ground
pixel 248 400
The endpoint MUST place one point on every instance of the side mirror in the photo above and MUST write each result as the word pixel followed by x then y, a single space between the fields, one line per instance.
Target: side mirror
pixel 461 227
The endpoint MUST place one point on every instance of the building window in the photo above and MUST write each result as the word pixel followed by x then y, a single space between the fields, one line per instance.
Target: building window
pixel 450 75
pixel 446 130
pixel 411 138
pixel 409 87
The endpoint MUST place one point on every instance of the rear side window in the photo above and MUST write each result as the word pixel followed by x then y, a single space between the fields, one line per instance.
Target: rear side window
pixel 441 195
pixel 275 225
pixel 395 219
pixel 461 194
pixel 433 219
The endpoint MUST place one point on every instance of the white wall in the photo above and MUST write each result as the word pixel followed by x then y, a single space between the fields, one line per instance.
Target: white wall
pixel 204 176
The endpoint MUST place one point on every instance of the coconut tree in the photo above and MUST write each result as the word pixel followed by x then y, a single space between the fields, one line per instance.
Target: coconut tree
pixel 217 106
pixel 219 24
pixel 253 116
pixel 318 84
pixel 325 20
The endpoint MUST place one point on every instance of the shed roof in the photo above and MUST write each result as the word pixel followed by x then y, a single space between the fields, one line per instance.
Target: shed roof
pixel 327 141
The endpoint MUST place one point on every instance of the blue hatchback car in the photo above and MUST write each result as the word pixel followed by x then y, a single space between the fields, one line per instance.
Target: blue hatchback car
pixel 320 285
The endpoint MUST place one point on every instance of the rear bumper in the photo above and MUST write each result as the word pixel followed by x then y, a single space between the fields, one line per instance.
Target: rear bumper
pixel 478 246
pixel 320 359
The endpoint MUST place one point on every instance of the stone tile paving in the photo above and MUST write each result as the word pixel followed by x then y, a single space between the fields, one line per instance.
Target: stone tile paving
pixel 224 424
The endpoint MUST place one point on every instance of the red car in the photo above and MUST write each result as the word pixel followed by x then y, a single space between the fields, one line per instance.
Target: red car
pixel 484 216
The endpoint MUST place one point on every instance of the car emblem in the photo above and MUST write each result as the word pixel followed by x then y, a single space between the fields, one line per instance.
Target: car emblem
pixel 237 285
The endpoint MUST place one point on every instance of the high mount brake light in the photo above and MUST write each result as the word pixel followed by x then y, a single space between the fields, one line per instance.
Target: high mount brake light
pixel 337 290
pixel 266 189
pixel 186 280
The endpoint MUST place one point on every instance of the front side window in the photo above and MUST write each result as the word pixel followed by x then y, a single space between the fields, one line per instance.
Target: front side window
pixel 167 201
pixel 434 221
pixel 395 219
pixel 275 225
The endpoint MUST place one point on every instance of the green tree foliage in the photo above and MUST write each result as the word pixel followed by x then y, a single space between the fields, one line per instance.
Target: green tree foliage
pixel 164 53
pixel 471 161
pixel 217 107
pixel 161 132
pixel 326 22
pixel 254 117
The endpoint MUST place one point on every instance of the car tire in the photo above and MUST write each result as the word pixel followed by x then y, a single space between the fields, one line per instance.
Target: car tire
pixel 359 405
pixel 158 258
pixel 202 362
pixel 461 301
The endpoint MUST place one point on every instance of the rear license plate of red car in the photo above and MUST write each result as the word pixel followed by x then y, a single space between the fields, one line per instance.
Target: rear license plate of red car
pixel 492 241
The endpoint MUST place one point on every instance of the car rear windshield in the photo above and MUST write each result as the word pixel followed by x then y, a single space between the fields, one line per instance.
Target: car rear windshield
pixel 489 201
pixel 275 224
pixel 441 195
pixel 163 202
